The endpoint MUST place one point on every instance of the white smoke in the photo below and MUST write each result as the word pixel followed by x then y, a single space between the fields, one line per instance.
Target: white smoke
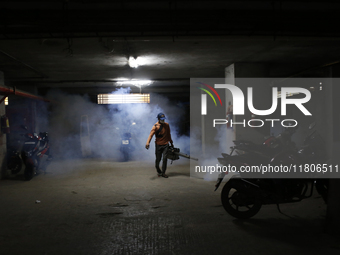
pixel 107 123
pixel 222 141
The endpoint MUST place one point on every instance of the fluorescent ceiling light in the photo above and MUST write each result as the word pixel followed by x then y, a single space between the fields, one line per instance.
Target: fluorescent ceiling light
pixel 123 99
pixel 137 83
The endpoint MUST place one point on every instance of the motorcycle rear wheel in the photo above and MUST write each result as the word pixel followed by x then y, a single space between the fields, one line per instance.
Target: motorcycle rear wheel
pixel 239 201
pixel 14 164
pixel 29 172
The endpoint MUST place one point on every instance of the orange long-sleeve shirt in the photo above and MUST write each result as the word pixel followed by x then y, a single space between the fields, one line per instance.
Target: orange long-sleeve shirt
pixel 165 134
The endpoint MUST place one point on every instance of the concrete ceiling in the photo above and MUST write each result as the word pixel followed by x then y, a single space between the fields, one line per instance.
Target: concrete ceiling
pixel 85 45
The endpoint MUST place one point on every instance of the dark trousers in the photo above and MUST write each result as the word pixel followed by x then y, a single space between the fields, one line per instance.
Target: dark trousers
pixel 161 150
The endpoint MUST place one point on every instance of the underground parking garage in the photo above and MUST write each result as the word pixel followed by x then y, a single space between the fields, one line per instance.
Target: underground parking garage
pixel 83 88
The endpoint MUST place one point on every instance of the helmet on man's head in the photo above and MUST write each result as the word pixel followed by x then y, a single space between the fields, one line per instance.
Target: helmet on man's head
pixel 161 116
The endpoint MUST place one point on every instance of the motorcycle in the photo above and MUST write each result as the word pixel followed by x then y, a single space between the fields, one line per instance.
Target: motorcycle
pixel 35 154
pixel 243 197
pixel 270 146
pixel 14 162
pixel 248 153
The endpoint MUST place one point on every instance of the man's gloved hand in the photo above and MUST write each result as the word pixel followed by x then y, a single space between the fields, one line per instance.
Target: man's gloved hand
pixel 147 146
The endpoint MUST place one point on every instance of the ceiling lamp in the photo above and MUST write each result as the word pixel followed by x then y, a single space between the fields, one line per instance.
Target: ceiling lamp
pixel 133 62
pixel 137 83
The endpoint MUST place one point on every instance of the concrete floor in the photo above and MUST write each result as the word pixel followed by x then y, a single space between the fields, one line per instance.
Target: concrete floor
pixel 103 207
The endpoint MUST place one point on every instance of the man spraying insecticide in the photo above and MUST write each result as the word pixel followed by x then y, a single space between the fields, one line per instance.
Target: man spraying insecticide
pixel 161 130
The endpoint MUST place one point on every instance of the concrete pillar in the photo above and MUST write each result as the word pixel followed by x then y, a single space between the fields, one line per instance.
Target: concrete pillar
pixel 3 151
pixel 229 79
pixel 333 207
pixel 262 98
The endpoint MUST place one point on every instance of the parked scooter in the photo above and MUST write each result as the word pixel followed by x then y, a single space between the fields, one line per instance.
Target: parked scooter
pixel 242 198
pixel 35 154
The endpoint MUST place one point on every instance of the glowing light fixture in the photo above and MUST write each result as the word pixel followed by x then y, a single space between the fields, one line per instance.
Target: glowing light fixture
pixel 137 83
pixel 133 63
pixel 134 98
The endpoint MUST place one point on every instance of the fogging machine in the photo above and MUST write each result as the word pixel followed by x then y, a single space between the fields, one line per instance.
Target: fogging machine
pixel 174 154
